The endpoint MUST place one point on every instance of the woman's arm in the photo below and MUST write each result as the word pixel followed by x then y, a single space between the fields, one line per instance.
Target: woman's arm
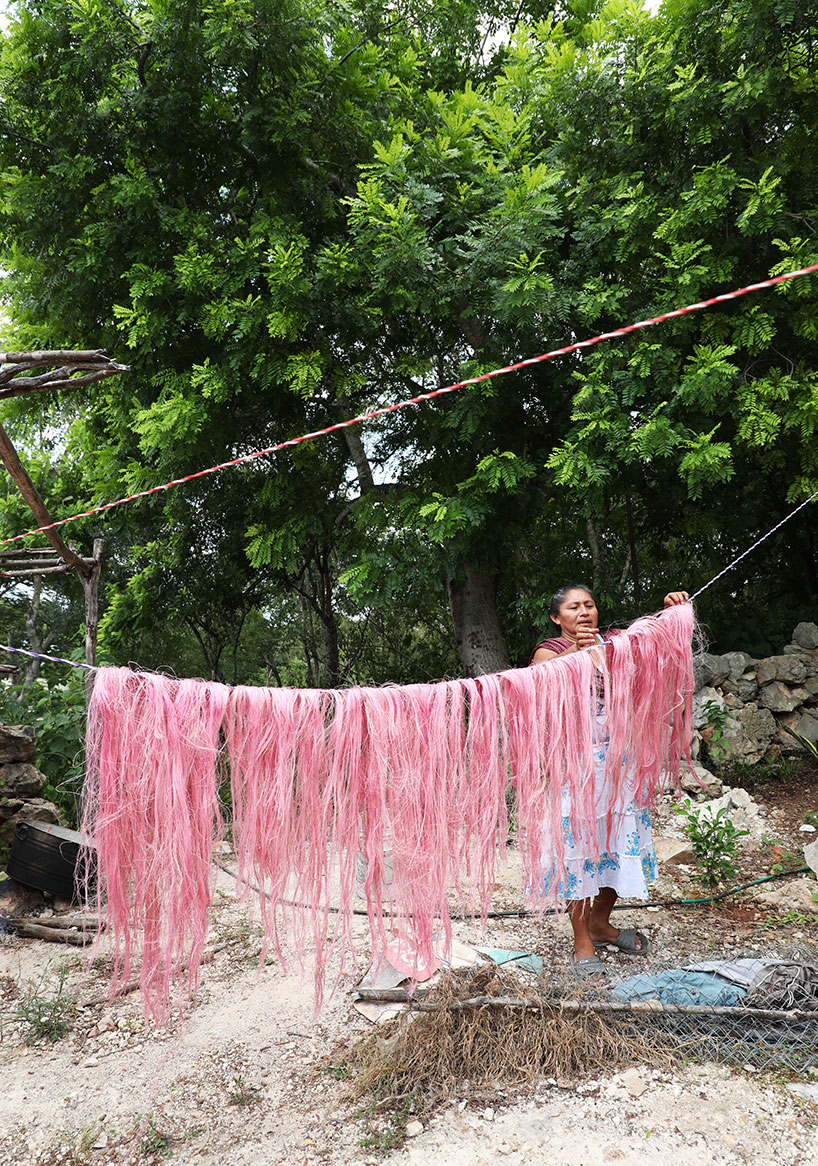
pixel 586 638
pixel 544 654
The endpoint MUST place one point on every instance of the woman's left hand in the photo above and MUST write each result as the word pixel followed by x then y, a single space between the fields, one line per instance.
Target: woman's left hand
pixel 675 597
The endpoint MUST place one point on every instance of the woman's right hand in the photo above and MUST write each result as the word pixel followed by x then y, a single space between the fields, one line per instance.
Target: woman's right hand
pixel 587 637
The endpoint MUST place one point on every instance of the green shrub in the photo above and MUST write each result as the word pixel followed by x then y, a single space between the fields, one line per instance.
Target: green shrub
pixel 714 839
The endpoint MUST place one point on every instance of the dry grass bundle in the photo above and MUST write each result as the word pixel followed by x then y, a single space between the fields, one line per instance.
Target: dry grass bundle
pixel 449 1043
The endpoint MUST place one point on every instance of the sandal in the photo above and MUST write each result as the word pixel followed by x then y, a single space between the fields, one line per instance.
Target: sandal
pixel 626 941
pixel 588 967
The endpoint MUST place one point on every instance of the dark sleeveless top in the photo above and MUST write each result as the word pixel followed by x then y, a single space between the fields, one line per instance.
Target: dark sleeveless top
pixel 559 644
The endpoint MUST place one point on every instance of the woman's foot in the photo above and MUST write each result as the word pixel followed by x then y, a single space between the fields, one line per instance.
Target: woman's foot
pixel 628 940
pixel 589 968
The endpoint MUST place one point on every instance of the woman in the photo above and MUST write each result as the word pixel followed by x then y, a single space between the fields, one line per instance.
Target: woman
pixel 627 864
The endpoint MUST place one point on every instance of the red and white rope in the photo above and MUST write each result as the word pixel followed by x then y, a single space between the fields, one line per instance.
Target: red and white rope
pixel 293 441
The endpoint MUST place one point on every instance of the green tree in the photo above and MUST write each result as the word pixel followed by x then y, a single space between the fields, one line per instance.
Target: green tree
pixel 290 212
pixel 612 169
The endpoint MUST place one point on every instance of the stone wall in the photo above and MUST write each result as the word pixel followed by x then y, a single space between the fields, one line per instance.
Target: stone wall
pixel 21 784
pixel 761 695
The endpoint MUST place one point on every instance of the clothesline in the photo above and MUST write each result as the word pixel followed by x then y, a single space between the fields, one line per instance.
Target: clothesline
pixel 422 397
pixel 696 594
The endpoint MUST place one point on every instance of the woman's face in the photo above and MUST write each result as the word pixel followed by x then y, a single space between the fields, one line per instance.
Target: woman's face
pixel 576 610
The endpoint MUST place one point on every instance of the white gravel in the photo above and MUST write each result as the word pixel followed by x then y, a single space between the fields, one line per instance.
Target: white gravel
pixel 243 1079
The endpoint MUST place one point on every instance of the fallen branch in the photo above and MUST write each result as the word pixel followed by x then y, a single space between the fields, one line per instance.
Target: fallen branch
pixel 417 1004
pixel 83 922
pixel 50 934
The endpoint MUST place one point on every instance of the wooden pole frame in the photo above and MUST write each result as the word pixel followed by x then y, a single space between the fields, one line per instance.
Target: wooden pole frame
pixel 21 374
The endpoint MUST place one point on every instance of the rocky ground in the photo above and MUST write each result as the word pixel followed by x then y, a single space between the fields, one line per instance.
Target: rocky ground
pixel 247 1076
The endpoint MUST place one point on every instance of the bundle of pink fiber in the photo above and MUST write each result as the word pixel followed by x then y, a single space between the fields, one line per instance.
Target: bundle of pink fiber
pixel 151 809
pixel 320 779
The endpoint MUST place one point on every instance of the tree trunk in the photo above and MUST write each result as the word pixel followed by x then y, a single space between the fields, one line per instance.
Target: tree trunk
pixel 632 550
pixel 329 624
pixel 90 587
pixel 473 603
pixel 599 558
pixel 37 643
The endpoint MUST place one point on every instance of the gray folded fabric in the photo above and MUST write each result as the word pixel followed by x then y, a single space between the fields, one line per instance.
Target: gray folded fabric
pixel 786 984
pixel 746 972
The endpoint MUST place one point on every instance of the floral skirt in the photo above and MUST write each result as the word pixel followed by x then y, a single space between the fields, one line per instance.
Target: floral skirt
pixel 628 861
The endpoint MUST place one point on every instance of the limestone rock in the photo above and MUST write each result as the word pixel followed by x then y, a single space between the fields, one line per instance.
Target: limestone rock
pixel 792 669
pixel 16 743
pixel 794 895
pixel 811 855
pixel 777 697
pixel 806 635
pixel 695 745
pixel 20 779
pixel 740 808
pixel 700 780
pixel 700 699
pixel 670 851
pixel 710 670
pixel 737 663
pixel 807 726
pixel 635 1082
pixel 749 734
pixel 745 687
pixel 783 740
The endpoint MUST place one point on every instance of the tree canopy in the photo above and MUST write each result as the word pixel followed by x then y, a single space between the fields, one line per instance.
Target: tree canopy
pixel 282 213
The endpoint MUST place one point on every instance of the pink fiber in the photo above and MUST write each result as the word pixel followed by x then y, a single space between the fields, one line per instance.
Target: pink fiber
pixel 151 808
pixel 321 779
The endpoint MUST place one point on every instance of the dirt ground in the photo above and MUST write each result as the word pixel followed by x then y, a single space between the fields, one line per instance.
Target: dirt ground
pixel 246 1076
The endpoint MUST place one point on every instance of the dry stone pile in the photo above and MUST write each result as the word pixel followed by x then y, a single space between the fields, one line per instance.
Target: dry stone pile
pixel 21 784
pixel 759 696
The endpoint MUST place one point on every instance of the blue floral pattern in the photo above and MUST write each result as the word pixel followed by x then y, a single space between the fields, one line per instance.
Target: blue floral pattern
pixel 628 862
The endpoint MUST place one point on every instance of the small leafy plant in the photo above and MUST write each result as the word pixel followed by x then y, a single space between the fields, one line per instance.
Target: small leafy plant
pixel 156 1143
pixel 47 1014
pixel 718 718
pixel 242 1093
pixel 383 1130
pixel 783 859
pixel 714 838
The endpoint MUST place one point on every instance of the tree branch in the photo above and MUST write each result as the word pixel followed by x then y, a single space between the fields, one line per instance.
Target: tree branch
pixel 352 437
pixel 337 183
pixel 38 508
pixel 23 386
pixel 365 39
pixel 375 488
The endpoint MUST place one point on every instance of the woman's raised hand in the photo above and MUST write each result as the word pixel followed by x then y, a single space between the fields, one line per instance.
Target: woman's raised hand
pixel 586 637
pixel 674 597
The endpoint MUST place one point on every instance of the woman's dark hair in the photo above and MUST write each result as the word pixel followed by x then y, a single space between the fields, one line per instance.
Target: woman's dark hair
pixel 558 598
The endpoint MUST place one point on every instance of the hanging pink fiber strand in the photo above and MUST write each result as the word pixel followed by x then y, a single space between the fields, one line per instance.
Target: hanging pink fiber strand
pixel 321 779
pixel 152 747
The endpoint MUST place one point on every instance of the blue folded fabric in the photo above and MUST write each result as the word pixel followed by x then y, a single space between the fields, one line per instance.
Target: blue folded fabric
pixel 520 959
pixel 679 986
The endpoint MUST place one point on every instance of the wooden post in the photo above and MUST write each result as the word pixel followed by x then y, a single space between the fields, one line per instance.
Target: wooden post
pixel 88 570
pixel 90 586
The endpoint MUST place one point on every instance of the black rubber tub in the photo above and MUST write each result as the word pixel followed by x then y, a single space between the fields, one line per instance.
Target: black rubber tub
pixel 46 857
